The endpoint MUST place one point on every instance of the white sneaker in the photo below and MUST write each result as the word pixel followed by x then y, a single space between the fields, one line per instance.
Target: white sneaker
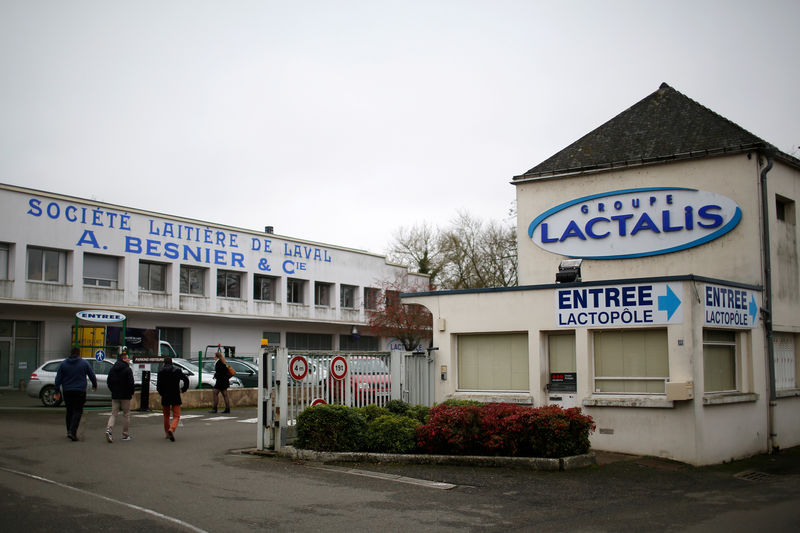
pixel 108 436
pixel 127 437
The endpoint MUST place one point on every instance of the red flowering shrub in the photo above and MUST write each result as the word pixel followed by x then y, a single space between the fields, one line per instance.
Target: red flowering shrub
pixel 505 429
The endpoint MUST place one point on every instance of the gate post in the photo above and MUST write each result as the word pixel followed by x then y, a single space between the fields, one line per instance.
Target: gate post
pixel 396 367
pixel 281 398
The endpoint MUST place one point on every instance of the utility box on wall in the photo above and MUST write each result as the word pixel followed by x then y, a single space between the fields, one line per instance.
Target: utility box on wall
pixel 680 390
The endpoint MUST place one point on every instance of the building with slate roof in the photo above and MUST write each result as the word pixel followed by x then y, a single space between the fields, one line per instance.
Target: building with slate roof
pixel 659 289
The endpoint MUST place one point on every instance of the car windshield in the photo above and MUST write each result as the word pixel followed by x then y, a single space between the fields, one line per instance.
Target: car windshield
pixel 186 365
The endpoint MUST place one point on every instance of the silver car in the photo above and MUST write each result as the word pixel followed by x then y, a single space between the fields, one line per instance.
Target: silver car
pixel 42 382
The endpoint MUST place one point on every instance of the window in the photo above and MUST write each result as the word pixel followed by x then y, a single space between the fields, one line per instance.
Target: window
pixel 100 271
pixel 561 362
pixel 152 276
pixel 264 288
pixel 371 297
pixel 364 343
pixel 294 291
pixel 229 284
pixel 784 210
pixel 787 372
pixel 347 296
pixel 322 294
pixel 273 337
pixel 309 341
pixel 193 280
pixel 497 362
pixel 4 260
pixel 631 361
pixel 47 265
pixel 719 361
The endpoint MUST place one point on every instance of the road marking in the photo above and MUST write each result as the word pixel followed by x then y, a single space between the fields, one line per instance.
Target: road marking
pixel 218 418
pixel 388 477
pixel 106 498
pixel 248 420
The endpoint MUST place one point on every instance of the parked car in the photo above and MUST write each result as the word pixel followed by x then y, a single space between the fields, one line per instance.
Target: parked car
pixel 191 370
pixel 370 381
pixel 246 371
pixel 42 382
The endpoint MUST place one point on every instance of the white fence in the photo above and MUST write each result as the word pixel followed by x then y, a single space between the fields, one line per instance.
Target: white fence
pixel 301 379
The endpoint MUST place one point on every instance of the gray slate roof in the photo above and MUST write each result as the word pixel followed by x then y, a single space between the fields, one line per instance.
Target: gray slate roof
pixel 664 126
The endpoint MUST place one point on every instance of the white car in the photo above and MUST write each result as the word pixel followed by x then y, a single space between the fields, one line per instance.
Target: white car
pixel 42 382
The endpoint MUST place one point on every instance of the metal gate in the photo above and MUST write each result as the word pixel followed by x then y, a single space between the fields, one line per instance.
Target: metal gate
pixel 299 379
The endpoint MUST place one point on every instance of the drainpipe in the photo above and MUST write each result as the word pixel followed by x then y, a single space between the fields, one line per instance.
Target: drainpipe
pixel 766 310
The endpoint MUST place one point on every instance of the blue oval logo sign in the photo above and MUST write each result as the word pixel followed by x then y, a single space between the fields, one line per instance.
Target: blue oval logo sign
pixel 634 223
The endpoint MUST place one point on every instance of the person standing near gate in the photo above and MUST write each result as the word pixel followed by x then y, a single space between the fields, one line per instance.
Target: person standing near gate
pixel 169 387
pixel 71 377
pixel 222 382
pixel 120 383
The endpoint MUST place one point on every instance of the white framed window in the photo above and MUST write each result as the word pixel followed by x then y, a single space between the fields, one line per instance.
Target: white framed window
pixel 4 253
pixel 322 294
pixel 152 276
pixel 631 361
pixel 193 280
pixel 264 288
pixel 347 296
pixel 493 362
pixel 371 298
pixel 100 271
pixel 229 284
pixel 45 264
pixel 720 361
pixel 294 290
pixel 787 372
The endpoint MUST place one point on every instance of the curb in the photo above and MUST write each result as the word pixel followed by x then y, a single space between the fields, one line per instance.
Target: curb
pixel 532 463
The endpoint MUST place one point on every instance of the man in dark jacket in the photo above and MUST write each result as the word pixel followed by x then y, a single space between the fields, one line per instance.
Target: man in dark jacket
pixel 169 387
pixel 120 383
pixel 71 377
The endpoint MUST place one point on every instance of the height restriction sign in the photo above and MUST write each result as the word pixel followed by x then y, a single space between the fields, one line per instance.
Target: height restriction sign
pixel 298 367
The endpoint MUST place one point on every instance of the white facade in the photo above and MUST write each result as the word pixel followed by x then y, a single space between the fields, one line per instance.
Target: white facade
pixel 662 340
pixel 199 283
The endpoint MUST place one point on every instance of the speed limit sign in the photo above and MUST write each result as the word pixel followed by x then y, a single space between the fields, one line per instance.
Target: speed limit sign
pixel 298 367
pixel 338 367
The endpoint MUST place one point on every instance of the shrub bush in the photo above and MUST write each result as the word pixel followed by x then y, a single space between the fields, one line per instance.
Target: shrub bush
pixel 372 411
pixel 392 434
pixel 419 413
pixel 331 428
pixel 398 407
pixel 505 429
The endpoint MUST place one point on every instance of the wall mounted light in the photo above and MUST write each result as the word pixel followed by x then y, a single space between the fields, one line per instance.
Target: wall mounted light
pixel 569 271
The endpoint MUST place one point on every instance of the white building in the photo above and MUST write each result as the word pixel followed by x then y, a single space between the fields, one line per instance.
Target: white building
pixel 675 320
pixel 198 283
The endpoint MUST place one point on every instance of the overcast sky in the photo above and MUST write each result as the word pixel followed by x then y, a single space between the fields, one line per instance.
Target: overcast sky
pixel 340 121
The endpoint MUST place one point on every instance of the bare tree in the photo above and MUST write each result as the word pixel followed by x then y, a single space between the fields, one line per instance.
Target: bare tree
pixel 411 324
pixel 468 254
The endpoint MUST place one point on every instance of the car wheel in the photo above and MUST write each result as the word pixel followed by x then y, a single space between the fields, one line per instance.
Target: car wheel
pixel 48 397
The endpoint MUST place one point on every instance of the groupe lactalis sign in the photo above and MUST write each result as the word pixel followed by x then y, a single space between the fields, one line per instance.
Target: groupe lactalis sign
pixel 634 223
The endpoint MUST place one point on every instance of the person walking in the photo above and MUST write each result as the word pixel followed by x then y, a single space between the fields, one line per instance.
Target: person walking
pixel 71 377
pixel 222 382
pixel 120 383
pixel 168 385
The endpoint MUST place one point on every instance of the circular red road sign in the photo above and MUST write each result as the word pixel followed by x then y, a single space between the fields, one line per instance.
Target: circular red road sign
pixel 318 401
pixel 338 367
pixel 298 367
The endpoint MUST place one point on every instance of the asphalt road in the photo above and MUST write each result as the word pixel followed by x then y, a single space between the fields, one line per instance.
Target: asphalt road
pixel 204 482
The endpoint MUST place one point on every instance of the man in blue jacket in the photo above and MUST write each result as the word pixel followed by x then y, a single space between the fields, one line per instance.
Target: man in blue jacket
pixel 71 377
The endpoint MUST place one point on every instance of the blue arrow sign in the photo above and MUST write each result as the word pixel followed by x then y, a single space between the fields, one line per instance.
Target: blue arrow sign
pixel 669 303
pixel 752 309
